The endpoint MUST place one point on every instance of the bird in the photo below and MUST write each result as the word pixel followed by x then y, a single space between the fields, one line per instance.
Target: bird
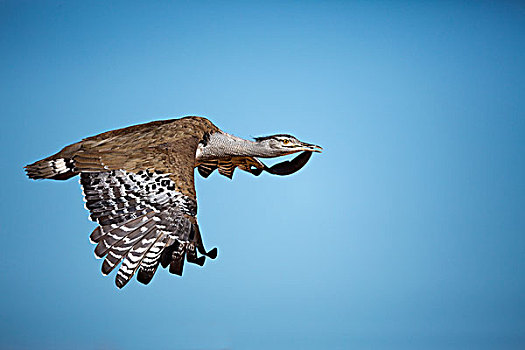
pixel 138 185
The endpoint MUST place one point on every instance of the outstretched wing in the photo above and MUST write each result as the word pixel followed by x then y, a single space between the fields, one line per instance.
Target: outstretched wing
pixel 146 208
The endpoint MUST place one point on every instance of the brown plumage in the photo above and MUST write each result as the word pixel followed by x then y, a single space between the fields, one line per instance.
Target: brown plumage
pixel 138 184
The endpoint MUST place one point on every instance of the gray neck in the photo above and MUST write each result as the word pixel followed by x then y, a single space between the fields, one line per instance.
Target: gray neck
pixel 223 145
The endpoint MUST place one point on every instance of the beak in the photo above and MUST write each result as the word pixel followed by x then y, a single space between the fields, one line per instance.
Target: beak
pixel 311 148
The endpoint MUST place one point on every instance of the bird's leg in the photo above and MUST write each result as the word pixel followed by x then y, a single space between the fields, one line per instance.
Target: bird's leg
pixel 191 251
pixel 212 254
pixel 191 256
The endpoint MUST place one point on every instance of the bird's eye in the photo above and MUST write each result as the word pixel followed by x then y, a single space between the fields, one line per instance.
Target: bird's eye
pixel 286 142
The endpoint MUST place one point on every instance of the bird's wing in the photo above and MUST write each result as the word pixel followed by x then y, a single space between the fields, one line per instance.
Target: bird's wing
pixel 253 165
pixel 145 205
pixel 116 146
pixel 226 166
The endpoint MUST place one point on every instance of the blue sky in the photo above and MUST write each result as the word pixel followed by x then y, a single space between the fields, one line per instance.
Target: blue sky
pixel 406 233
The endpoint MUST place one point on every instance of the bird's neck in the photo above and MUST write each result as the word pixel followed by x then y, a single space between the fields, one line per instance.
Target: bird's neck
pixel 223 145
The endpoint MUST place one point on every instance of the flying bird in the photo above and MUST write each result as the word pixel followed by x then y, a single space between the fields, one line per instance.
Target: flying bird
pixel 138 184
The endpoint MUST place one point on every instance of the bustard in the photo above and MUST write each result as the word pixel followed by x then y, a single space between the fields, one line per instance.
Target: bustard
pixel 138 184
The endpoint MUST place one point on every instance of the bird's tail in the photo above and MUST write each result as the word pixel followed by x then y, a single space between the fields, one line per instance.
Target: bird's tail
pixel 57 168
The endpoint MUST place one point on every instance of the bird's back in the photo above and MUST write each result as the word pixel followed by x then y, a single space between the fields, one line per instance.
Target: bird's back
pixel 126 143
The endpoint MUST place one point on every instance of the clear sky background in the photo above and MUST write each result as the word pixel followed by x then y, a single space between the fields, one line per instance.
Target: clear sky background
pixel 408 232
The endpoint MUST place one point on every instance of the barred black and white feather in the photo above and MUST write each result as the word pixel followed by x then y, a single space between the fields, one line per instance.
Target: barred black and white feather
pixel 57 169
pixel 140 215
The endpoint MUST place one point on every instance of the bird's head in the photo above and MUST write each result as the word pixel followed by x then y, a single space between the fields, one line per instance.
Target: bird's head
pixel 283 144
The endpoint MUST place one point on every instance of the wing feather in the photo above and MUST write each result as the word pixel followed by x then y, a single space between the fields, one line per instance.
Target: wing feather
pixel 145 214
pixel 227 166
pixel 134 257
